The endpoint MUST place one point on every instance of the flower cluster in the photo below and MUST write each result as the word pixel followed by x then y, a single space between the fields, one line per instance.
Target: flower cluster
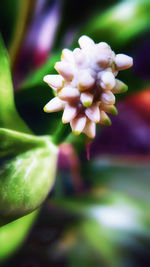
pixel 86 84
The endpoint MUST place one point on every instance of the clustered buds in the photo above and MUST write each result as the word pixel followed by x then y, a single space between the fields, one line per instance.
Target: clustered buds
pixel 86 84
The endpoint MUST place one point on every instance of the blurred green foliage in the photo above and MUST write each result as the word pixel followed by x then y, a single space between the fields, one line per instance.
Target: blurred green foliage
pixel 112 217
pixel 13 234
pixel 8 15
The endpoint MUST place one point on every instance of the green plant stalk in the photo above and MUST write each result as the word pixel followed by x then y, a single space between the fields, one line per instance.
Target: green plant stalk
pixel 61 134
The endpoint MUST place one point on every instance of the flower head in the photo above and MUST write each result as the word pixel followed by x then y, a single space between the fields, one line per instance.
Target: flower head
pixel 86 84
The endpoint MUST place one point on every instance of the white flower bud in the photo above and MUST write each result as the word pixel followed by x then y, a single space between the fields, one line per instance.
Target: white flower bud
pixel 109 108
pixel 86 85
pixel 68 93
pixel 108 98
pixel 103 45
pixel 54 81
pixel 86 99
pixel 67 55
pixel 54 105
pixel 69 113
pixel 119 88
pixel 85 80
pixel 90 129
pixel 105 120
pixel 78 124
pixel 123 62
pixel 65 69
pixel 93 113
pixel 79 57
pixel 107 80
pixel 85 42
pixel 102 60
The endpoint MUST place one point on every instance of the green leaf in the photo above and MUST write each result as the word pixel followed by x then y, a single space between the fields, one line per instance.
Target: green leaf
pixel 13 234
pixel 27 172
pixel 120 24
pixel 9 117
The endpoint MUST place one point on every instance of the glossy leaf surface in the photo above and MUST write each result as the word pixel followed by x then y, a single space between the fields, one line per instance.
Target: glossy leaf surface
pixel 9 117
pixel 27 172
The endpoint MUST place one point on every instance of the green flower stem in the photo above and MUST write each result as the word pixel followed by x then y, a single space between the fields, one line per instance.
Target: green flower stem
pixel 61 134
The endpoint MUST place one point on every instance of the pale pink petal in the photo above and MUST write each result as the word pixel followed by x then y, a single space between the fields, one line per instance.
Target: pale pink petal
pixel 86 99
pixel 54 105
pixel 69 113
pixel 85 79
pixel 55 81
pixel 78 124
pixel 105 119
pixel 67 55
pixel 85 42
pixel 65 69
pixel 93 113
pixel 108 98
pixel 79 57
pixel 120 87
pixel 90 129
pixel 107 80
pixel 102 60
pixel 103 45
pixel 109 108
pixel 68 93
pixel 123 61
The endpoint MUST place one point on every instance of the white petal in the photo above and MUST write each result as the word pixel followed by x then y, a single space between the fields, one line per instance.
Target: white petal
pixel 123 61
pixel 85 42
pixel 90 129
pixel 105 119
pixel 69 113
pixel 78 124
pixel 86 99
pixel 93 113
pixel 85 79
pixel 55 81
pixel 65 69
pixel 120 87
pixel 107 80
pixel 109 108
pixel 67 55
pixel 102 60
pixel 108 98
pixel 79 57
pixel 68 93
pixel 103 45
pixel 54 105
